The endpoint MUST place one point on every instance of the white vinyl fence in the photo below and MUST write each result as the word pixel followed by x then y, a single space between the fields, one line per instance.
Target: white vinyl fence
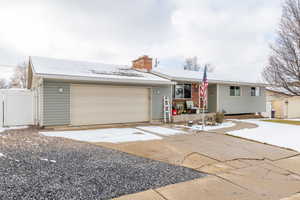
pixel 17 107
pixel 268 112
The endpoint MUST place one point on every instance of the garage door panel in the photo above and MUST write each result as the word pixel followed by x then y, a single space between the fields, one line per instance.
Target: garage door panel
pixel 108 104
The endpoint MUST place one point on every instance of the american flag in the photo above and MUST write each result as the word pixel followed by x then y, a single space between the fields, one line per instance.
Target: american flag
pixel 203 88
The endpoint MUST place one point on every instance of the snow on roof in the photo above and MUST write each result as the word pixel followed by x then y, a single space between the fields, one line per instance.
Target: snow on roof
pixel 14 89
pixel 280 90
pixel 97 71
pixel 176 74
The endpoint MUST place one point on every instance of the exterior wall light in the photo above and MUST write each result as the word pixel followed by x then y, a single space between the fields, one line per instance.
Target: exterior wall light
pixel 60 90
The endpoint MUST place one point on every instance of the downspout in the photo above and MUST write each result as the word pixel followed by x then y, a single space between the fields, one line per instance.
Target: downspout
pixel 2 112
pixel 218 98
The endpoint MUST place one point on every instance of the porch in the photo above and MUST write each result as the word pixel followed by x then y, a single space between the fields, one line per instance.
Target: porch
pixel 185 104
pixel 210 117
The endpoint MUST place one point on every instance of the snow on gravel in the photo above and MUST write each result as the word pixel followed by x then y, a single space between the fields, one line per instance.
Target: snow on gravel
pixel 283 135
pixel 82 170
pixel 162 130
pixel 2 155
pixel 47 160
pixel 2 129
pixel 208 128
pixel 112 135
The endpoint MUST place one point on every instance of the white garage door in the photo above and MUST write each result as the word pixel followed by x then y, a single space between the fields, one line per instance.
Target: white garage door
pixel 94 104
pixel 293 107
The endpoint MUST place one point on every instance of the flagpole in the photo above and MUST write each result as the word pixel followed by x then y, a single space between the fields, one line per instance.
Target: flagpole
pixel 203 120
pixel 204 96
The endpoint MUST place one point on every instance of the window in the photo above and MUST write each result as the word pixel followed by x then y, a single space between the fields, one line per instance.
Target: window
pixel 187 91
pixel 255 91
pixel 235 91
pixel 183 91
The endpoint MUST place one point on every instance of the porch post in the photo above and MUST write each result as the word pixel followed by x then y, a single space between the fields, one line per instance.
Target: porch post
pixel 203 117
pixel 218 97
pixel 199 99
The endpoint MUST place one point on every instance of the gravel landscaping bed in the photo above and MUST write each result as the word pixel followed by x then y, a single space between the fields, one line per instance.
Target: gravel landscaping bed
pixel 38 167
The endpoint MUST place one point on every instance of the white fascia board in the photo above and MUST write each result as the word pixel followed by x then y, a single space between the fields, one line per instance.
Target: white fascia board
pixel 219 82
pixel 105 80
pixel 238 83
pixel 182 79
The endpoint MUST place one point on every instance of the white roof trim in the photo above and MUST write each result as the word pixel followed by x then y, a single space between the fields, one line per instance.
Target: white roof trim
pixel 104 80
pixel 209 80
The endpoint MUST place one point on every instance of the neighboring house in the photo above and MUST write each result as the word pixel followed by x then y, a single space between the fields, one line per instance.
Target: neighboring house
pixel 85 93
pixel 224 95
pixel 284 103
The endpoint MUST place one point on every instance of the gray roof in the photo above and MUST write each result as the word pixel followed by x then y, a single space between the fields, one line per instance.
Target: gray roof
pixel 280 90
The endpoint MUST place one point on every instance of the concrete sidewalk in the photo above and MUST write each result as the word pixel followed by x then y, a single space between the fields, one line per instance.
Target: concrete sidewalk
pixel 239 169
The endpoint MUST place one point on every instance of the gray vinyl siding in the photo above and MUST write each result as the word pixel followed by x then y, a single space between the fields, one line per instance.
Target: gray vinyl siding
pixel 241 104
pixel 56 105
pixel 212 98
pixel 157 100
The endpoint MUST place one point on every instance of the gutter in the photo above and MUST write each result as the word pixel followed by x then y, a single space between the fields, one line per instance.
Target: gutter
pixel 209 80
pixel 104 80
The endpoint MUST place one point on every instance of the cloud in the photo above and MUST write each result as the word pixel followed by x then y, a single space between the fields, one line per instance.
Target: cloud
pixel 233 35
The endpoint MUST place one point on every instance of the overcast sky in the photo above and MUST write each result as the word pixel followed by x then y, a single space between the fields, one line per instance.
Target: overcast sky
pixel 232 35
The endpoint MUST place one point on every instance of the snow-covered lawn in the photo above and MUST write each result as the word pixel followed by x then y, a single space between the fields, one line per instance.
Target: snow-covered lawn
pixel 283 135
pixel 162 130
pixel 112 135
pixel 2 129
pixel 208 128
pixel 293 119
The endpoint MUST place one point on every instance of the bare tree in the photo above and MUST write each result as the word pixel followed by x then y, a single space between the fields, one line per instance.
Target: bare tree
pixel 283 69
pixel 3 84
pixel 210 67
pixel 192 64
pixel 19 77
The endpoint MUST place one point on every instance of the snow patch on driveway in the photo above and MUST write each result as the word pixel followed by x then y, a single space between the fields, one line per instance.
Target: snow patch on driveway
pixel 162 130
pixel 111 135
pixel 283 135
pixel 208 128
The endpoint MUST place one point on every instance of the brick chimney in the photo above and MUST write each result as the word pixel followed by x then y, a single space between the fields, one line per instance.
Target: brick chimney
pixel 142 63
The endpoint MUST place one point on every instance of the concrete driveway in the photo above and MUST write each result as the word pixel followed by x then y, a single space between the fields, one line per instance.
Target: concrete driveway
pixel 239 169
